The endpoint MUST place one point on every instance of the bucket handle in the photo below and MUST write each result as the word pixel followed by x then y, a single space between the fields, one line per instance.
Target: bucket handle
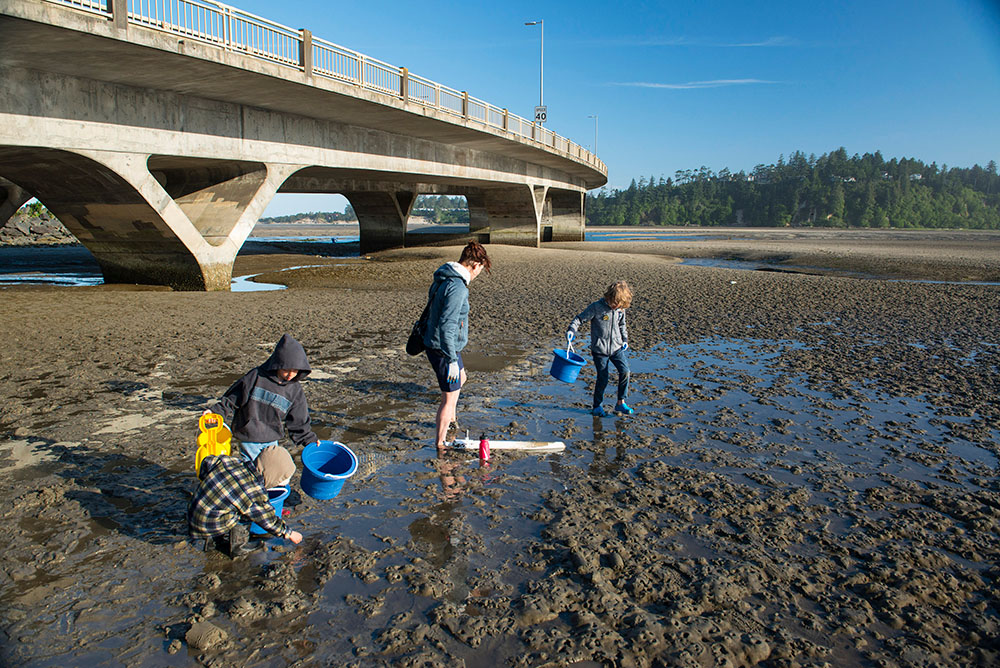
pixel 569 348
pixel 210 417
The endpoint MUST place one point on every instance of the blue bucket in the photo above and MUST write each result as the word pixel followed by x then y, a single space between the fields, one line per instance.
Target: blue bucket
pixel 277 496
pixel 566 365
pixel 325 467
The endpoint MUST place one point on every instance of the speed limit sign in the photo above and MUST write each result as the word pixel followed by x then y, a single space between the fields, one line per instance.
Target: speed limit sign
pixel 540 114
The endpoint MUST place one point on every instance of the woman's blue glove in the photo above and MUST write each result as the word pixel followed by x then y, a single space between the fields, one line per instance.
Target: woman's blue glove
pixel 625 345
pixel 453 372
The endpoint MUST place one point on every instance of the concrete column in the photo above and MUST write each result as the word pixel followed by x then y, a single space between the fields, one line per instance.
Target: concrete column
pixel 514 214
pixel 306 52
pixel 12 198
pixel 479 218
pixel 119 13
pixel 565 219
pixel 382 217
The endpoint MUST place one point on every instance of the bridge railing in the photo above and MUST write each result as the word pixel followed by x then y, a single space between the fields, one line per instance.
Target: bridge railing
pixel 96 6
pixel 239 31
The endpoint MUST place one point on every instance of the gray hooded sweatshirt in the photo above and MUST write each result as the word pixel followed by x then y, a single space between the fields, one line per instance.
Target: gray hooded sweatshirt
pixel 259 406
pixel 447 328
pixel 607 327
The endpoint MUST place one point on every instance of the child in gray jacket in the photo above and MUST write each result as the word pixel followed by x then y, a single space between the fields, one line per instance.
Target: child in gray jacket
pixel 608 342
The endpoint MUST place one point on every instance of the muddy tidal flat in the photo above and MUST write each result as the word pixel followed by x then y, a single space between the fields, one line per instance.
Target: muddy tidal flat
pixel 809 479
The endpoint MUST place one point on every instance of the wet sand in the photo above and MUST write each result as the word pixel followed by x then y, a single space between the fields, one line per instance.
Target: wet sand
pixel 809 479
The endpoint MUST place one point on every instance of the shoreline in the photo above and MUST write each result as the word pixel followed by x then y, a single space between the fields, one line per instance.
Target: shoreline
pixel 932 255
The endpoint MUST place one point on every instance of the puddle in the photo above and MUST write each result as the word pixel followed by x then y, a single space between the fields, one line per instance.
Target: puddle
pixel 18 454
pixel 307 240
pixel 247 284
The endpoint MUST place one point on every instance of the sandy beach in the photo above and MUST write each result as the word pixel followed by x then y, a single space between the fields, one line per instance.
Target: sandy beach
pixel 810 477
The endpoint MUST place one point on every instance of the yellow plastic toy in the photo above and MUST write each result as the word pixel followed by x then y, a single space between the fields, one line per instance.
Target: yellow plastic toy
pixel 213 440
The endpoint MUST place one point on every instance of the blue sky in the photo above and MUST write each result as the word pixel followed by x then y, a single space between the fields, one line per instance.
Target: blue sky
pixel 678 85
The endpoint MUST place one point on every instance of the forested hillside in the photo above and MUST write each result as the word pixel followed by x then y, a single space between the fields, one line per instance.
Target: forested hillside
pixel 833 190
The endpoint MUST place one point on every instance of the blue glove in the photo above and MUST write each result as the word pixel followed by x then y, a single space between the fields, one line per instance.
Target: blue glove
pixel 625 345
pixel 570 336
pixel 453 372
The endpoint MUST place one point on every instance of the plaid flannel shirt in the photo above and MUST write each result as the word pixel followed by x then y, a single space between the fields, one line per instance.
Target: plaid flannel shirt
pixel 230 489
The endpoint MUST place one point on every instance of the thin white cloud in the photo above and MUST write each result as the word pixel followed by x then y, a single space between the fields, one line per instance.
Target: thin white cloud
pixel 770 42
pixel 691 85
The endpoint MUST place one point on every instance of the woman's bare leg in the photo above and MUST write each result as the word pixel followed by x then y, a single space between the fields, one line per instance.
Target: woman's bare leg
pixel 446 411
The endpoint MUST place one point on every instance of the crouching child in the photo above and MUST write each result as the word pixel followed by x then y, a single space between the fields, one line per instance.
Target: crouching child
pixel 232 492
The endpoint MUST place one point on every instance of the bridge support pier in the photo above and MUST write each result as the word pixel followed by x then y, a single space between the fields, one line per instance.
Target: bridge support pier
pixel 12 198
pixel 382 217
pixel 514 214
pixel 566 220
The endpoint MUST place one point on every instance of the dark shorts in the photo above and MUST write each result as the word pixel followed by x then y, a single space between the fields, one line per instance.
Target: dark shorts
pixel 440 365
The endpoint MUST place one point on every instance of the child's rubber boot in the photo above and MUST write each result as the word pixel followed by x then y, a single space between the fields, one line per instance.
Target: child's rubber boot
pixel 599 412
pixel 623 407
pixel 240 543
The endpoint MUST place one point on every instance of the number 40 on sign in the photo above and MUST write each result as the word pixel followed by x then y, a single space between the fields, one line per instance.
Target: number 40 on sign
pixel 541 115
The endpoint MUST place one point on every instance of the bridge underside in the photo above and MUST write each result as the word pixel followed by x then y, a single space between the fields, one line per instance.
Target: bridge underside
pixel 163 172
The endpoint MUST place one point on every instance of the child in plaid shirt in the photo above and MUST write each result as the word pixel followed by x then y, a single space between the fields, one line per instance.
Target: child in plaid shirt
pixel 232 490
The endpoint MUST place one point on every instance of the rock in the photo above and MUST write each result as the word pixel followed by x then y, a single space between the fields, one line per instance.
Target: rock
pixel 24 229
pixel 205 635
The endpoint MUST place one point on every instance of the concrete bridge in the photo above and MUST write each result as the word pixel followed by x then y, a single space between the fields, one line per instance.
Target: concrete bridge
pixel 158 132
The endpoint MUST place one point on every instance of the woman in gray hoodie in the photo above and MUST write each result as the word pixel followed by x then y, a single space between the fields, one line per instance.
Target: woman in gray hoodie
pixel 447 329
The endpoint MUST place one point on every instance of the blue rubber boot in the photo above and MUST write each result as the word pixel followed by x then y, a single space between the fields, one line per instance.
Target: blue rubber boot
pixel 623 407
pixel 599 412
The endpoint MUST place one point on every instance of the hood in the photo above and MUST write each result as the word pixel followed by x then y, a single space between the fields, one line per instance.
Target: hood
pixel 288 354
pixel 275 465
pixel 452 270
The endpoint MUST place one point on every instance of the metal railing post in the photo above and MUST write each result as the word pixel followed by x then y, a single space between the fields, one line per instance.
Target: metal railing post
pixel 306 52
pixel 404 83
pixel 119 12
pixel 465 104
pixel 505 121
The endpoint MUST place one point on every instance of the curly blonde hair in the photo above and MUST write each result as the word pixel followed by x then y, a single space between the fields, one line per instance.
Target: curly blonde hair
pixel 618 295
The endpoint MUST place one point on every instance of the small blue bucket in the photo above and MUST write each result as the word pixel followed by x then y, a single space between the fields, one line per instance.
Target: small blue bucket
pixel 277 496
pixel 325 467
pixel 566 365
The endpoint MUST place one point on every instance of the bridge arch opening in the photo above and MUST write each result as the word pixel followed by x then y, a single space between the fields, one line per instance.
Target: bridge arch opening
pixel 213 194
pixel 439 219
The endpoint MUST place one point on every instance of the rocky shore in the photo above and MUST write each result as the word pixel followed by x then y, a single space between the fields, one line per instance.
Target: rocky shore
pixel 43 229
pixel 810 478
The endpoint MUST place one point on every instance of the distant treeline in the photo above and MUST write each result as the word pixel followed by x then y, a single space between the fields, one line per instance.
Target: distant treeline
pixel 347 215
pixel 833 190
pixel 438 208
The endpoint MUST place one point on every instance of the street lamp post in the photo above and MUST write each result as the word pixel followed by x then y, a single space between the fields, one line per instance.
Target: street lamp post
pixel 541 63
pixel 595 132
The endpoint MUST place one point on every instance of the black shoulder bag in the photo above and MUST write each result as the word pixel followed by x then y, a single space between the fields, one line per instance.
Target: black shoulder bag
pixel 415 344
